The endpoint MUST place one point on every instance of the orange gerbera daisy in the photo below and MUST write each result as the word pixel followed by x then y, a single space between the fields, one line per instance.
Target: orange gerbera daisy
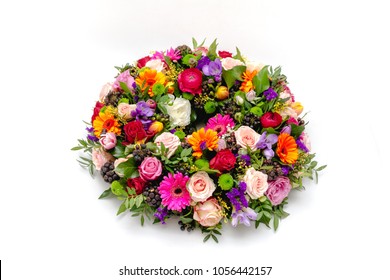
pixel 105 121
pixel 202 140
pixel 148 78
pixel 247 84
pixel 287 149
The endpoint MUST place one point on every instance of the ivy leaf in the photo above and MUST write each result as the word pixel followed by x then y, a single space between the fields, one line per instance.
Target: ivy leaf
pixel 261 80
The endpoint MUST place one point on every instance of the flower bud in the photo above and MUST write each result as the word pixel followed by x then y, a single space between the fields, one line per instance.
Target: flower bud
pixel 222 93
pixel 156 127
pixel 297 107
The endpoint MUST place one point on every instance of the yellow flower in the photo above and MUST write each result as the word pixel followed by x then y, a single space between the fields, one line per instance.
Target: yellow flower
pixel 106 122
pixel 201 140
pixel 148 78
pixel 222 93
pixel 156 127
pixel 297 107
pixel 247 85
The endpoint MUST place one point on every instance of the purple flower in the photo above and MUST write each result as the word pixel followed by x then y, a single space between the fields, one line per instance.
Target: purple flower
pixel 161 213
pixel 205 60
pixel 285 170
pixel 286 129
pixel 243 216
pixel 214 68
pixel 265 143
pixel 91 136
pixel 270 94
pixel 302 146
pixel 247 159
pixel 237 196
pixel 278 190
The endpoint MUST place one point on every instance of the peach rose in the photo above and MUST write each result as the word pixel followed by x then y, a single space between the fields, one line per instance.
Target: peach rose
pixel 200 186
pixel 100 157
pixel 170 141
pixel 251 66
pixel 155 64
pixel 256 183
pixel 228 63
pixel 104 91
pixel 208 213
pixel 246 136
pixel 124 110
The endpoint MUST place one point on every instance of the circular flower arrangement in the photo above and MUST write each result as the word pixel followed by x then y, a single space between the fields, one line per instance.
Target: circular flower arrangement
pixel 203 135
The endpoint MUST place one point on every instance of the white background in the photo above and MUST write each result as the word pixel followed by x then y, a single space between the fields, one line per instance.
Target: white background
pixel 54 58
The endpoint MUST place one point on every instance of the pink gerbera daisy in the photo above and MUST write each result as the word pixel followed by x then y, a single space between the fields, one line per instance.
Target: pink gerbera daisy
pixel 220 124
pixel 174 193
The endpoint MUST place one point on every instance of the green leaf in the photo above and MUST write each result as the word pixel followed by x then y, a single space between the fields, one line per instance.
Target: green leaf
pixel 188 96
pixel 119 151
pixel 215 238
pixel 194 43
pixel 138 201
pixel 186 152
pixel 121 209
pixel 238 55
pixel 127 168
pixel 132 203
pixel 185 220
pixel 142 220
pixel 276 222
pixel 106 193
pixel 261 80
pixel 124 87
pixel 296 130
pixel 206 238
pixel 321 168
pixel 230 76
pixel 76 148
pixel 212 53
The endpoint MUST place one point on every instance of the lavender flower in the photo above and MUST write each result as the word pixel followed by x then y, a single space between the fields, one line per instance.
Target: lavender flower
pixel 243 216
pixel 302 146
pixel 266 143
pixel 142 112
pixel 270 94
pixel 91 136
pixel 205 60
pixel 247 159
pixel 213 68
pixel 237 196
pixel 161 213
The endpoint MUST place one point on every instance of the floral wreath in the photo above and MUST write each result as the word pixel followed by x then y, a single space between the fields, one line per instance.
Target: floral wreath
pixel 203 135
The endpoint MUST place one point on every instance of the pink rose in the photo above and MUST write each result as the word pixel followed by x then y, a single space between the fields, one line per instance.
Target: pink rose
pixel 202 50
pixel 200 186
pixel 170 141
pixel 100 157
pixel 278 190
pixel 256 183
pixel 208 213
pixel 108 140
pixel 124 110
pixel 104 91
pixel 123 77
pixel 229 63
pixel 150 169
pixel 155 64
pixel 246 136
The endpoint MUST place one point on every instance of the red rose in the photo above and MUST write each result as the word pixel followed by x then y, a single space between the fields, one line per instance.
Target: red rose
pixel 136 183
pixel 223 161
pixel 134 131
pixel 190 80
pixel 270 119
pixel 142 61
pixel 224 54
pixel 96 110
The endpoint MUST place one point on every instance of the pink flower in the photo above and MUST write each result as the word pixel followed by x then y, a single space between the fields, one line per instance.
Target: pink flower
pixel 108 140
pixel 151 103
pixel 221 145
pixel 170 142
pixel 228 63
pixel 202 50
pixel 278 190
pixel 100 157
pixel 155 64
pixel 173 54
pixel 220 124
pixel 246 136
pixel 150 169
pixel 256 183
pixel 306 140
pixel 104 91
pixel 173 192
pixel 200 186
pixel 190 80
pixel 124 110
pixel 123 77
pixel 208 213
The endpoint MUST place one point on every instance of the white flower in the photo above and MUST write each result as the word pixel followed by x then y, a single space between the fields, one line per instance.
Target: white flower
pixel 228 63
pixel 179 112
pixel 155 64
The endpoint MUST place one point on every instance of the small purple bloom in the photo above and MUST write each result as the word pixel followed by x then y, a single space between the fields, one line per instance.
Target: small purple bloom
pixel 172 131
pixel 286 129
pixel 205 60
pixel 161 213
pixel 302 146
pixel 91 136
pixel 270 94
pixel 247 159
pixel 237 196
pixel 285 170
pixel 265 143
pixel 243 216
pixel 214 68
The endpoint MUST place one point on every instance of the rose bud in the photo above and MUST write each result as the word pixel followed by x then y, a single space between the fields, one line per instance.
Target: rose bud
pixel 155 127
pixel 222 93
pixel 151 103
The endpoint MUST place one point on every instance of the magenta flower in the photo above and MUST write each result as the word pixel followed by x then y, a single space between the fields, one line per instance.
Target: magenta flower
pixel 174 193
pixel 220 124
pixel 173 54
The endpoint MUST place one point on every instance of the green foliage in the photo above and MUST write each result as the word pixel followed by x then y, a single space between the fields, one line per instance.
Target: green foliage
pixel 85 145
pixel 212 53
pixel 261 80
pixel 238 55
pixel 127 168
pixel 296 130
pixel 211 232
pixel 233 75
pixel 106 193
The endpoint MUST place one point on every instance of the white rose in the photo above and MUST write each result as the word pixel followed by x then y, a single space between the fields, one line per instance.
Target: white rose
pixel 170 141
pixel 200 186
pixel 155 64
pixel 179 112
pixel 228 63
pixel 256 183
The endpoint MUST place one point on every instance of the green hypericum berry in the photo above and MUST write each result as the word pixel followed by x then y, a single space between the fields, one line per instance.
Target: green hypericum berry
pixel 226 182
pixel 210 107
pixel 180 134
pixel 257 111
pixel 116 188
pixel 202 163
pixel 158 88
